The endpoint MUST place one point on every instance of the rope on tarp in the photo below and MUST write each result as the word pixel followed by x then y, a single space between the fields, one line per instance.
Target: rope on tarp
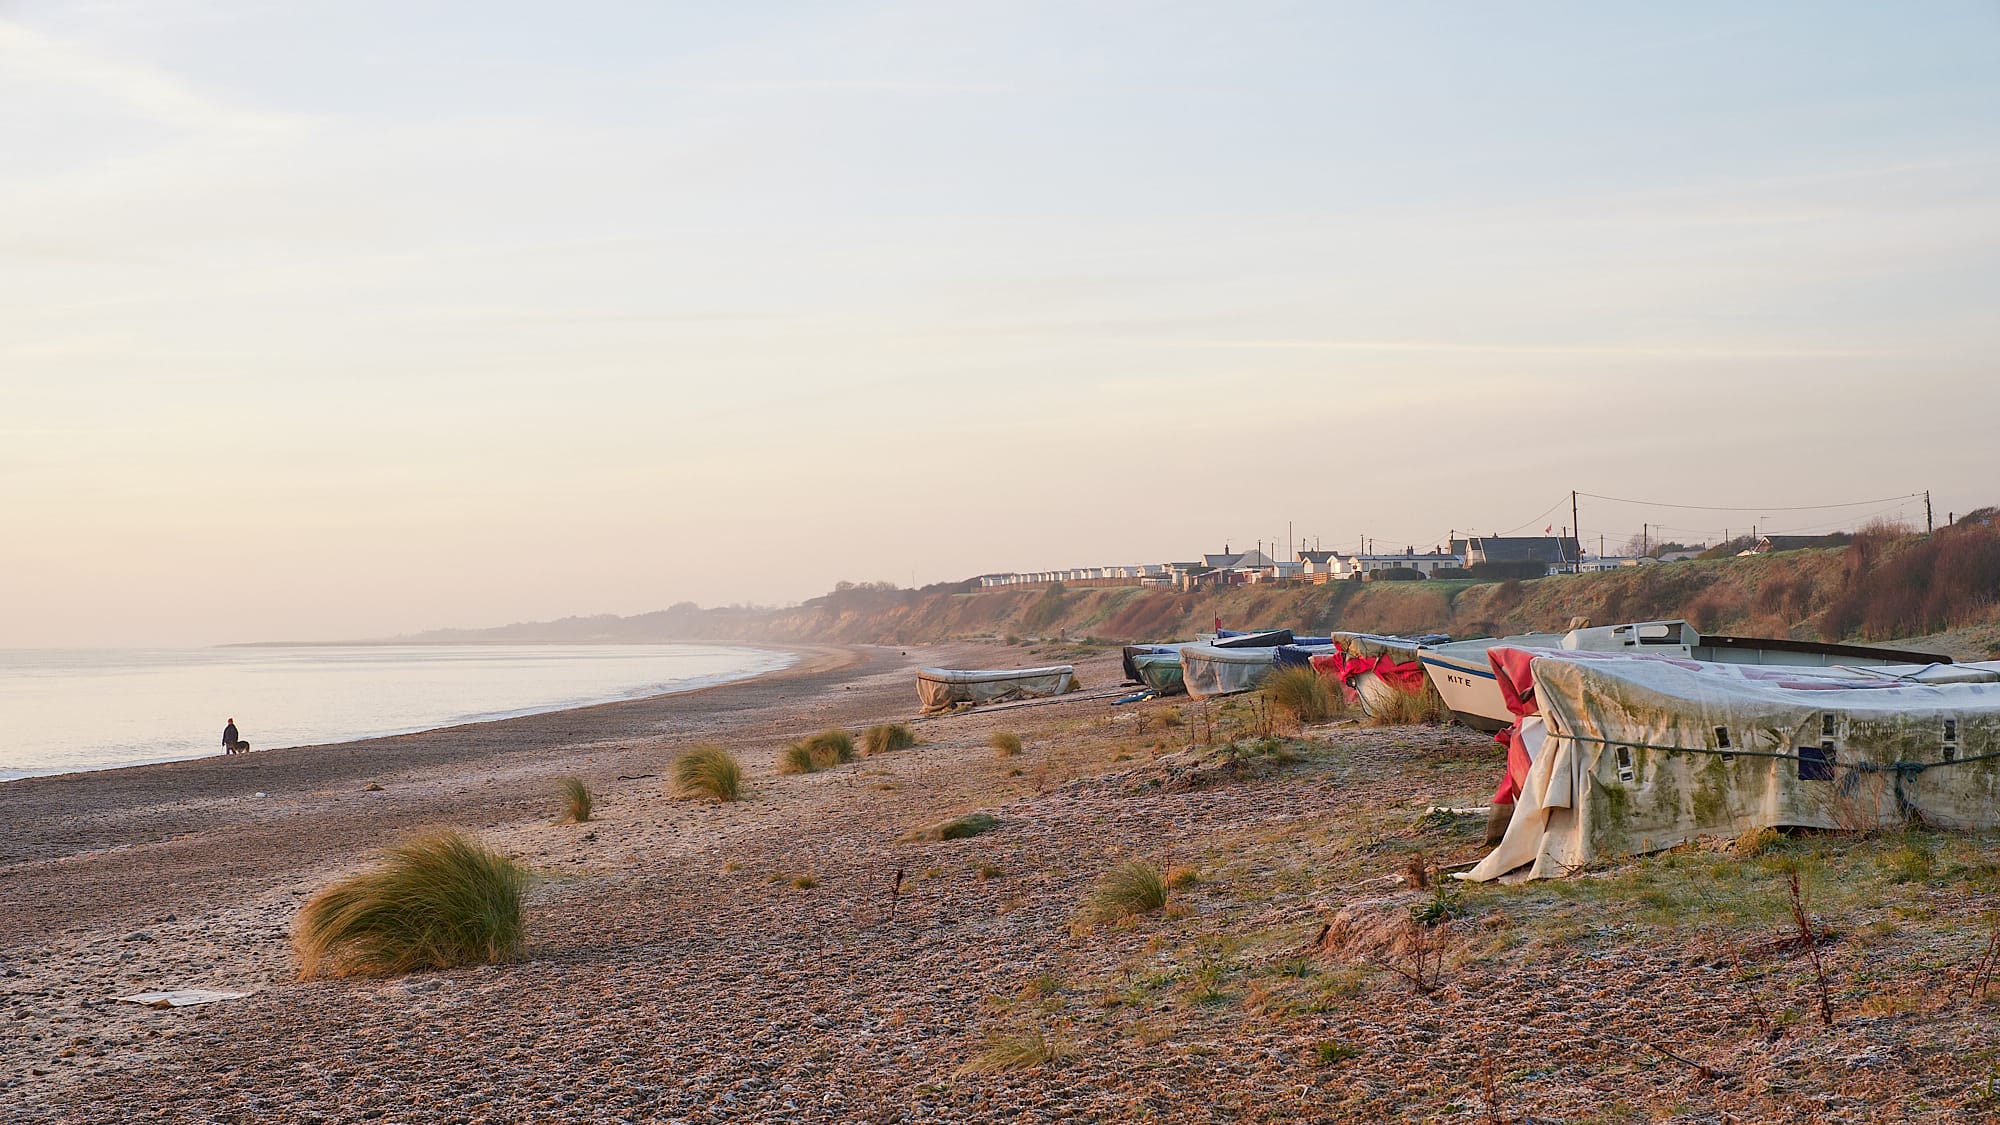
pixel 1899 766
pixel 1900 769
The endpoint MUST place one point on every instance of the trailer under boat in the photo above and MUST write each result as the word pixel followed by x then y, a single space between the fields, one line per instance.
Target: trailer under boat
pixel 1464 676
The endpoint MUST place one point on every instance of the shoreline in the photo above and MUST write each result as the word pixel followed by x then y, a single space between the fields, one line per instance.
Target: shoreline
pixel 696 684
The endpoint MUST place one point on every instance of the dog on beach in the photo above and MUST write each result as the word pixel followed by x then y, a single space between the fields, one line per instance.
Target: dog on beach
pixel 238 748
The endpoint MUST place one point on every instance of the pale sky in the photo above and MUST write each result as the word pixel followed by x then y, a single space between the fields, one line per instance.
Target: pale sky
pixel 324 320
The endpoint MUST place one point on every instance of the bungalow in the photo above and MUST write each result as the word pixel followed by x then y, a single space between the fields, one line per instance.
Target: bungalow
pixel 1361 566
pixel 1556 552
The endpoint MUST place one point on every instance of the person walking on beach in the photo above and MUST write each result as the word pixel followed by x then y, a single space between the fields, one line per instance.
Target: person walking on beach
pixel 229 738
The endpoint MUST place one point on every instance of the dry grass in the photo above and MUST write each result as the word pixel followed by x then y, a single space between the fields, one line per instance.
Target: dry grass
pixel 1404 709
pixel 885 737
pixel 828 748
pixel 1023 1050
pixel 1302 694
pixel 957 828
pixel 1128 891
pixel 1005 743
pixel 708 771
pixel 576 802
pixel 436 901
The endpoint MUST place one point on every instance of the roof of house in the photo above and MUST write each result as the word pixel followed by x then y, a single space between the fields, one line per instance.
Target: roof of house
pixel 1526 548
pixel 1316 556
pixel 1799 542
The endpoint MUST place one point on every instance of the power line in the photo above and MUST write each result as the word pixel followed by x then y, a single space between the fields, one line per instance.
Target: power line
pixel 1757 508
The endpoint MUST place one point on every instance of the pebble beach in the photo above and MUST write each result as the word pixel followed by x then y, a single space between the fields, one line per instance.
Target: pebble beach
pixel 802 955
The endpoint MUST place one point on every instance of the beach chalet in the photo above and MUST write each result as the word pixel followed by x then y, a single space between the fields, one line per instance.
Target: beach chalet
pixel 1614 562
pixel 1316 566
pixel 1555 552
pixel 1362 566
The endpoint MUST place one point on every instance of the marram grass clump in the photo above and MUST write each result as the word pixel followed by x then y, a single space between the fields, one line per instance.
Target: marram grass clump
pixel 1127 891
pixel 885 737
pixel 1300 693
pixel 1005 743
pixel 820 751
pixel 1026 1049
pixel 957 828
pixel 437 900
pixel 576 802
pixel 708 772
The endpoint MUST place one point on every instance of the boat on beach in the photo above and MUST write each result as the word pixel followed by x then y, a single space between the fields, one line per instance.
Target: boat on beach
pixel 1160 671
pixel 1463 674
pixel 1208 670
pixel 941 689
pixel 1621 753
pixel 1374 668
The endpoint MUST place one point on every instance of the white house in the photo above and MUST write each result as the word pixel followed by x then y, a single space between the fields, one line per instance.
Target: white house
pixel 1360 566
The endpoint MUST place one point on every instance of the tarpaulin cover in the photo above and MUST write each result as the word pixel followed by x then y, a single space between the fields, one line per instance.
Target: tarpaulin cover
pixel 1160 671
pixel 943 688
pixel 1375 668
pixel 1132 668
pixel 1300 655
pixel 1270 638
pixel 1646 752
pixel 1208 670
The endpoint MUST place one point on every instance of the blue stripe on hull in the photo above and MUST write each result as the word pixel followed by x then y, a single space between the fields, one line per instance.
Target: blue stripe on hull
pixel 1440 662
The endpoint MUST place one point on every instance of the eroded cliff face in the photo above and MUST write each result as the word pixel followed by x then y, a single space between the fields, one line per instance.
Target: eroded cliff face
pixel 1807 594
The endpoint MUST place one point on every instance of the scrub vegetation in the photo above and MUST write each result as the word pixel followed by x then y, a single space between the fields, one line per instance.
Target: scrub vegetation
pixel 1301 694
pixel 1127 891
pixel 1005 743
pixel 885 737
pixel 576 802
pixel 436 901
pixel 708 771
pixel 828 748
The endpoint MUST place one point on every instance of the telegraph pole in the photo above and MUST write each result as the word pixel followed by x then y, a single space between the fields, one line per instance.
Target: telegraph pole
pixel 1929 525
pixel 1576 528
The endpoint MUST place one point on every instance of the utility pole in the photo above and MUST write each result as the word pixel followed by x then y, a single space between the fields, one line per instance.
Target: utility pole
pixel 1645 539
pixel 1929 525
pixel 1576 526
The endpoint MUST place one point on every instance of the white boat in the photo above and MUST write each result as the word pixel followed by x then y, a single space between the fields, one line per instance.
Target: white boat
pixel 1464 677
pixel 941 689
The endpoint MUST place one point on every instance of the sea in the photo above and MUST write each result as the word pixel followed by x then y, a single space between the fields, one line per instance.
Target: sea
pixel 75 709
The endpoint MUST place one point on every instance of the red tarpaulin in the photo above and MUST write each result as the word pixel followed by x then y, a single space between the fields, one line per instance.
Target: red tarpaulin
pixel 1517 690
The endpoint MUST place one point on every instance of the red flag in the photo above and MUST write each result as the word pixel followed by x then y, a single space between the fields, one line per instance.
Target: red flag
pixel 1548 529
pixel 1218 624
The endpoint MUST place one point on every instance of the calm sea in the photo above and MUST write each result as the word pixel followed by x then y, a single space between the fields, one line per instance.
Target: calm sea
pixel 83 710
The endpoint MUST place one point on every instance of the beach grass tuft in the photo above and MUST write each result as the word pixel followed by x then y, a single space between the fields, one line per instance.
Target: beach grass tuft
pixel 957 828
pixel 576 802
pixel 885 737
pixel 1022 1050
pixel 708 771
pixel 1127 891
pixel 438 900
pixel 1005 743
pixel 828 748
pixel 1300 693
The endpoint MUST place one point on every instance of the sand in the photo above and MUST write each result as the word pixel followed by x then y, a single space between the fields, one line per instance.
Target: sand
pixel 680 971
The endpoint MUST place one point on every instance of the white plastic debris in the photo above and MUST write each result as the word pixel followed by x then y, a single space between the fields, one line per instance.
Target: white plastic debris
pixel 180 997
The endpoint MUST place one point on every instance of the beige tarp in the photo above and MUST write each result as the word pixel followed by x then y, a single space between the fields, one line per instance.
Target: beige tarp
pixel 1644 753
pixel 1207 670
pixel 941 689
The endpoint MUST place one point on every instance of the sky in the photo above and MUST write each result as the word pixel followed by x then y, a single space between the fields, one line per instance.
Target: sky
pixel 330 320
